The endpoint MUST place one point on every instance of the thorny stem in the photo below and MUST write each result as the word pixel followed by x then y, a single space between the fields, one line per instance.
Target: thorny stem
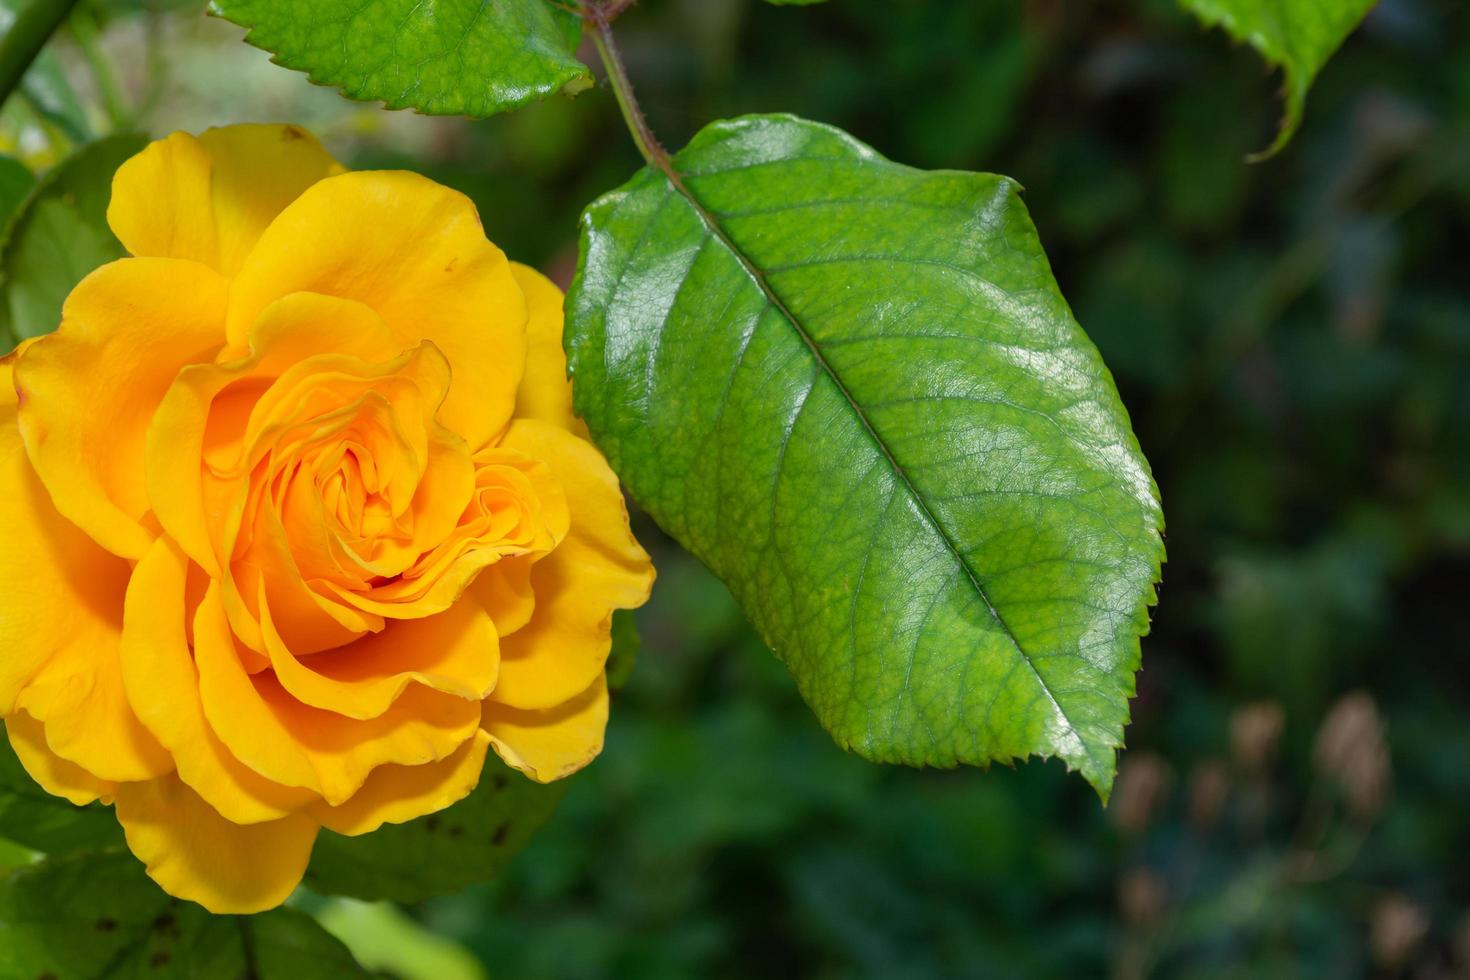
pixel 598 17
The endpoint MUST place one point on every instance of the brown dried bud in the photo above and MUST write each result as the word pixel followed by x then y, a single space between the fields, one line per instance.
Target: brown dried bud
pixel 1209 788
pixel 1143 781
pixel 1351 751
pixel 1395 930
pixel 1255 730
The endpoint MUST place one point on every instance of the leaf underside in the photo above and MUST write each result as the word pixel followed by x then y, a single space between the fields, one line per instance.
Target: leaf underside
pixel 1298 36
pixel 444 852
pixel 97 915
pixel 854 391
pixel 451 57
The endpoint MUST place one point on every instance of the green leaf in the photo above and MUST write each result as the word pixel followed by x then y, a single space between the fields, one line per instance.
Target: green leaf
pixel 99 916
pixel 450 57
pixel 854 391
pixel 625 646
pixel 1298 36
pixel 15 183
pixel 471 841
pixel 61 234
pixel 33 817
pixel 795 3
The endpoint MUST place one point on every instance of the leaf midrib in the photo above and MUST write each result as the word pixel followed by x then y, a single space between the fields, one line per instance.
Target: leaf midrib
pixel 665 165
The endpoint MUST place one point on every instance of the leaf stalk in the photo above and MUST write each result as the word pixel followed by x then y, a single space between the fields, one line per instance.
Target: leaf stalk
pixel 598 19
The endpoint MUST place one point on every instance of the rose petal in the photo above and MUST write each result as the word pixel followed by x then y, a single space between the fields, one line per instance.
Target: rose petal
pixel 88 391
pixel 413 251
pixel 194 853
pixel 597 568
pixel 397 794
pixel 548 745
pixel 208 198
pixel 163 687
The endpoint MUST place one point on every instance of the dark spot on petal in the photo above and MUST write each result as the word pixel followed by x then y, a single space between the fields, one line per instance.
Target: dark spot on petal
pixel 452 263
pixel 500 834
pixel 105 924
pixel 289 133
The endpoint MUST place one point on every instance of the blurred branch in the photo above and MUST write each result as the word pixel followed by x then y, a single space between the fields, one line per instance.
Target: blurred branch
pixel 84 29
pixel 32 28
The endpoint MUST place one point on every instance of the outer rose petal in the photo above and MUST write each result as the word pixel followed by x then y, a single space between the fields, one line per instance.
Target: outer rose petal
pixel 194 853
pixel 545 392
pixel 89 390
pixel 209 198
pixel 163 686
pixel 456 652
pixel 60 632
pixel 298 745
pixel 597 568
pixel 548 745
pixel 413 251
pixel 396 794
pixel 56 776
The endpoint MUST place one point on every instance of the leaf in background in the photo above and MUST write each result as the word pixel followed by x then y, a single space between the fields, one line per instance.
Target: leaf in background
pixel 443 852
pixel 384 938
pixel 31 816
pixel 1298 36
pixel 451 57
pixel 61 234
pixel 99 916
pixel 46 86
pixel 15 183
pixel 854 391
pixel 625 646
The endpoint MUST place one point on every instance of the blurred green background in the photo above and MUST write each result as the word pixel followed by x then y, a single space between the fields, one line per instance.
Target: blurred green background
pixel 1292 340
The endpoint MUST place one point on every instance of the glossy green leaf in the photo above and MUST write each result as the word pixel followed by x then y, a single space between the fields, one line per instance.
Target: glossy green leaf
pixel 1298 36
pixel 443 852
pixel 33 817
pixel 61 234
pixel 450 57
pixel 99 916
pixel 854 391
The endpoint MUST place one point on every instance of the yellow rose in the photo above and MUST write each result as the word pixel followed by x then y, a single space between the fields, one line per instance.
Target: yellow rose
pixel 298 518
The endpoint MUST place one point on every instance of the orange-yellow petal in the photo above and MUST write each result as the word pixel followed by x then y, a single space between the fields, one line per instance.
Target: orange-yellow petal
pixel 597 568
pixel 208 198
pixel 61 590
pixel 456 652
pixel 163 687
pixel 548 745
pixel 55 775
pixel 89 390
pixel 545 392
pixel 298 745
pixel 413 251
pixel 194 853
pixel 62 626
pixel 397 794
pixel 216 400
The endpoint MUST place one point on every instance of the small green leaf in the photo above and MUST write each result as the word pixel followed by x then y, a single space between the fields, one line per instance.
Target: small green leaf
pixel 448 57
pixel 855 392
pixel 33 817
pixel 60 234
pixel 471 841
pixel 1298 36
pixel 99 916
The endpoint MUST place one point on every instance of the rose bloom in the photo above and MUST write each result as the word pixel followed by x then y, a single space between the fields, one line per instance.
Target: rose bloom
pixel 299 521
